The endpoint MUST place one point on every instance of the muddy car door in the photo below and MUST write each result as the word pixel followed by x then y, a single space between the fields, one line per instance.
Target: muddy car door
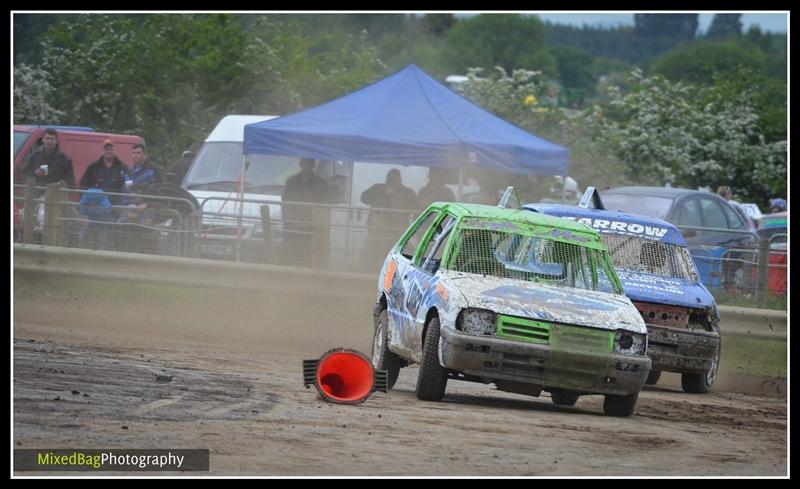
pixel 399 294
pixel 420 282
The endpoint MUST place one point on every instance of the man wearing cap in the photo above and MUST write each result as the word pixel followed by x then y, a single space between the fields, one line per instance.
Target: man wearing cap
pixel 48 164
pixel 108 173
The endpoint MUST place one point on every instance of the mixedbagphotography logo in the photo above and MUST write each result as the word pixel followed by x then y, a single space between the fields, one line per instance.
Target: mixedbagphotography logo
pixel 104 460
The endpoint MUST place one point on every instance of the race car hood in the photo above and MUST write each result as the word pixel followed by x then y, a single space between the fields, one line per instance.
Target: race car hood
pixel 547 303
pixel 656 289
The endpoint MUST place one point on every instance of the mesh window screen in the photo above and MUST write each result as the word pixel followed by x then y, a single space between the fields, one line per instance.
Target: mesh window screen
pixel 518 256
pixel 635 254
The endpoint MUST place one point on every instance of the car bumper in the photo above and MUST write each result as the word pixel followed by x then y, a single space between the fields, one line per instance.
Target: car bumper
pixel 493 358
pixel 680 350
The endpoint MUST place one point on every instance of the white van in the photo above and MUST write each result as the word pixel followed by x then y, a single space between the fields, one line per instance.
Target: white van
pixel 214 180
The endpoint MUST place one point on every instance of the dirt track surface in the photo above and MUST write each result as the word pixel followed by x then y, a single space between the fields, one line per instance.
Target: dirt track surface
pixel 249 408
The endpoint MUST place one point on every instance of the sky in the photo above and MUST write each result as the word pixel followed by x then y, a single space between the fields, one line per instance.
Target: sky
pixel 767 22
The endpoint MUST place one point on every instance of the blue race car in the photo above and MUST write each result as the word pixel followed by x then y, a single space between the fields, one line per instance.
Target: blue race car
pixel 660 277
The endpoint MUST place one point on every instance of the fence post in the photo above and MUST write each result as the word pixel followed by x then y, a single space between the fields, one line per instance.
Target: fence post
pixel 266 233
pixel 52 214
pixel 321 237
pixel 763 269
pixel 29 211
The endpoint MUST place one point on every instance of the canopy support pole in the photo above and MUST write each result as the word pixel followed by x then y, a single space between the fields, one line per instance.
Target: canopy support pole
pixel 460 182
pixel 240 194
pixel 564 189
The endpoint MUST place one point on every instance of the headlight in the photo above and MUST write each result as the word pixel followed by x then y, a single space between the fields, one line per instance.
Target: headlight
pixel 629 343
pixel 477 321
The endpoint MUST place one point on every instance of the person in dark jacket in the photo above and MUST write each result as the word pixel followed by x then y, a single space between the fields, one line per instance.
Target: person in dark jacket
pixel 47 164
pixel 184 163
pixel 435 190
pixel 305 186
pixel 144 171
pixel 384 225
pixel 108 173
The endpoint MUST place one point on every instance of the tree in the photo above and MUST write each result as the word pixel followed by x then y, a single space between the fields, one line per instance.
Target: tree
pixel 171 77
pixel 520 99
pixel 438 24
pixel 677 26
pixel 32 95
pixel 724 26
pixel 699 62
pixel 574 68
pixel 489 40
pixel 694 136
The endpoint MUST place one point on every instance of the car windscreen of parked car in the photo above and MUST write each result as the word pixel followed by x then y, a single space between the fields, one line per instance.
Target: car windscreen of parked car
pixel 507 253
pixel 19 140
pixel 639 204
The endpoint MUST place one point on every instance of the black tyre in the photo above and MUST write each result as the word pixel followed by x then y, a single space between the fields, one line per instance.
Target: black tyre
pixel 562 398
pixel 620 405
pixel 702 382
pixel 382 358
pixel 432 379
pixel 652 377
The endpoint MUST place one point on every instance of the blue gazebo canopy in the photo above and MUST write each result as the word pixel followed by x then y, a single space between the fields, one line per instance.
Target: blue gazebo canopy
pixel 407 118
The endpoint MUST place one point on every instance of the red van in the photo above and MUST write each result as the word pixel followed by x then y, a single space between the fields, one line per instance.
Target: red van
pixel 82 144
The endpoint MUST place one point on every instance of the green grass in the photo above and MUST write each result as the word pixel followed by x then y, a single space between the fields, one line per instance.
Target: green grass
pixel 726 298
pixel 742 355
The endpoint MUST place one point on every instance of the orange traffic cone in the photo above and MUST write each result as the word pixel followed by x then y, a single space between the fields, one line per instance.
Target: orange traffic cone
pixel 343 376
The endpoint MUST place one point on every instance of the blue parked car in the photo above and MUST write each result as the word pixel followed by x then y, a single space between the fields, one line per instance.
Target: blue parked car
pixel 659 276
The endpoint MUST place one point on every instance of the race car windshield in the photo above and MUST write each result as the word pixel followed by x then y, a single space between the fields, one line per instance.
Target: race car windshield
pixel 536 259
pixel 642 255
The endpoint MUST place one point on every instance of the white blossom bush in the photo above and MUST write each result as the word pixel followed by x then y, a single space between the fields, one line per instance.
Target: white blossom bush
pixel 657 133
pixel 32 97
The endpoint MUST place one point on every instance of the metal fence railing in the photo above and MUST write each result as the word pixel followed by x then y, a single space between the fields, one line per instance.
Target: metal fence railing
pixel 757 271
pixel 335 237
pixel 323 236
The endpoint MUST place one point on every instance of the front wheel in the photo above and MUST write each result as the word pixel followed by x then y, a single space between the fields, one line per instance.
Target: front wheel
pixel 620 405
pixel 382 358
pixel 432 379
pixel 702 382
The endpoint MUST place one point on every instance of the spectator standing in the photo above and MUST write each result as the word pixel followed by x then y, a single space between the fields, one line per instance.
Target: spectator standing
pixel 435 190
pixel 144 170
pixel 777 205
pixel 108 173
pixel 385 227
pixel 182 165
pixel 305 186
pixel 48 164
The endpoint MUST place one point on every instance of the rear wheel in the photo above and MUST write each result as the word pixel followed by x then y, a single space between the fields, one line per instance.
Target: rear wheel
pixel 652 377
pixel 382 358
pixel 432 379
pixel 620 405
pixel 562 398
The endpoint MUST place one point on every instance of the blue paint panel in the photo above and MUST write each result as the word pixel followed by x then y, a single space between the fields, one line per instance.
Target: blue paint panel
pixel 611 222
pixel 665 290
pixel 641 286
pixel 543 295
